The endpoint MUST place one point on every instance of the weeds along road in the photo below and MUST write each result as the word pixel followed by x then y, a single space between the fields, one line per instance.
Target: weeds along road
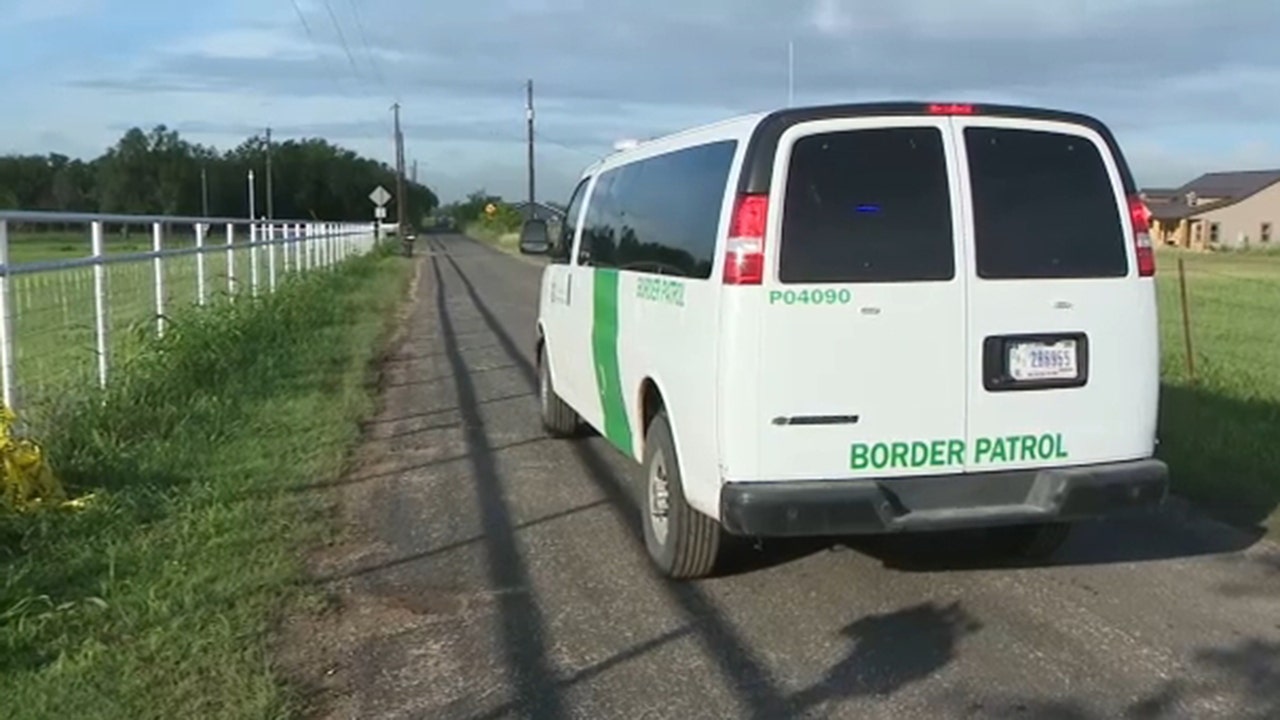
pixel 491 572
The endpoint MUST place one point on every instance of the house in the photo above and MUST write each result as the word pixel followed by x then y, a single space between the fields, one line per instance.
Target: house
pixel 1217 210
pixel 540 210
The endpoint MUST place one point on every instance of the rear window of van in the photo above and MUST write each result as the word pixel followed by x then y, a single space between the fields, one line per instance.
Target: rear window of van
pixel 1043 206
pixel 867 206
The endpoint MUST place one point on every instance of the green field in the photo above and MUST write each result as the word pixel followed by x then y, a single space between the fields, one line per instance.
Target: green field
pixel 1221 434
pixel 159 600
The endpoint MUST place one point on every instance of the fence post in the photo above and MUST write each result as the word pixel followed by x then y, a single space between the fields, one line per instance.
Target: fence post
pixel 284 249
pixel 231 262
pixel 201 229
pixel 157 264
pixel 100 299
pixel 253 259
pixel 1186 322
pixel 271 256
pixel 7 346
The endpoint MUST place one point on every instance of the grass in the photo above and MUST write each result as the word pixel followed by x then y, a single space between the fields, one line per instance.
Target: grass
pixel 159 599
pixel 1221 433
pixel 508 242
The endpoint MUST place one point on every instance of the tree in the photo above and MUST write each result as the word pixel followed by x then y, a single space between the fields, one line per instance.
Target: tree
pixel 159 172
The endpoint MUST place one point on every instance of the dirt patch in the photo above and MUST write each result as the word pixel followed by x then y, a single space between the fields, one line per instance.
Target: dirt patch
pixel 323 646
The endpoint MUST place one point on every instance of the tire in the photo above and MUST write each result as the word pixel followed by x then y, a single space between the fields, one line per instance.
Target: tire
pixel 1031 542
pixel 683 543
pixel 558 419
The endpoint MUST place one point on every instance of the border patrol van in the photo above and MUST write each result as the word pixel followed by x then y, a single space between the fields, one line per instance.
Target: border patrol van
pixel 859 319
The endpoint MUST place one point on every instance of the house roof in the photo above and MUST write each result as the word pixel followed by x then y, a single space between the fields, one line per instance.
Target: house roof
pixel 1227 188
pixel 540 208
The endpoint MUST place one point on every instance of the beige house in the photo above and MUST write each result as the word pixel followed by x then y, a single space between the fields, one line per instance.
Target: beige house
pixel 1218 210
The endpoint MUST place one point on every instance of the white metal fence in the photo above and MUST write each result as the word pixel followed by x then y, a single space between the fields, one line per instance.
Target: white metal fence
pixel 76 289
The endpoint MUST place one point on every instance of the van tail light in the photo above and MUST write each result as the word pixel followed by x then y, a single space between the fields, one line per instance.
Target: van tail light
pixel 1141 217
pixel 744 250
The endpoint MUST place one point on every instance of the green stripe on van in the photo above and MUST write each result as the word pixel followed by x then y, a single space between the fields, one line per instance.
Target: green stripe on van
pixel 604 345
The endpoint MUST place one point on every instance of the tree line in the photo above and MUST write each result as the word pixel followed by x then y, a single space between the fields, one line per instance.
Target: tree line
pixel 160 173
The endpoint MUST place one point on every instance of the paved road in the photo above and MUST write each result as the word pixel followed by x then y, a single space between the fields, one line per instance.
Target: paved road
pixel 495 573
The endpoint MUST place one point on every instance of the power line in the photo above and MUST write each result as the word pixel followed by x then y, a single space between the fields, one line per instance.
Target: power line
pixel 342 38
pixel 306 26
pixel 368 50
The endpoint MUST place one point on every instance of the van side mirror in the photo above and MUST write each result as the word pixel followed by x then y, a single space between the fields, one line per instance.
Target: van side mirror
pixel 535 238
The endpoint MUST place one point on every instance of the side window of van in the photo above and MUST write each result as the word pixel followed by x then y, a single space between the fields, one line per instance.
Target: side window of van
pixel 670 210
pixel 869 206
pixel 569 229
pixel 599 228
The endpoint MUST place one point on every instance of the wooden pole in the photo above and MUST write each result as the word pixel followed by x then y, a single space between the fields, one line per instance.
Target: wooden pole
pixel 1186 321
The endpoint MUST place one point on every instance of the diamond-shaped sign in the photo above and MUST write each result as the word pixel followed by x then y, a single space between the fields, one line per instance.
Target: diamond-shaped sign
pixel 379 196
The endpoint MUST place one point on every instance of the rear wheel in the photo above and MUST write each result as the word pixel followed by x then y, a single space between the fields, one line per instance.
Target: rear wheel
pixel 683 543
pixel 1031 542
pixel 558 418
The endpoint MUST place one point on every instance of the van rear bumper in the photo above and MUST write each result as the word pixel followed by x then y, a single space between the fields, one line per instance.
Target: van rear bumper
pixel 941 502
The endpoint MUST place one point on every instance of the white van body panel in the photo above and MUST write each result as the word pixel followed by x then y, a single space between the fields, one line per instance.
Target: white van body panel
pixel 667 330
pixel 1111 418
pixel 883 363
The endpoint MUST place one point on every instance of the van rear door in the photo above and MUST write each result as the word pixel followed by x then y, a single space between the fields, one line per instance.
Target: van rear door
pixel 1062 328
pixel 862 351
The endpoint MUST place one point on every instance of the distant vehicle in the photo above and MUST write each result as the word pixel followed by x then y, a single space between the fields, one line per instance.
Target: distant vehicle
pixel 535 237
pixel 861 319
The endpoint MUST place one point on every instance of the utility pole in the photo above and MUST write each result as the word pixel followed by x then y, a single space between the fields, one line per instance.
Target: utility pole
pixel 413 176
pixel 204 191
pixel 528 114
pixel 271 203
pixel 252 196
pixel 401 228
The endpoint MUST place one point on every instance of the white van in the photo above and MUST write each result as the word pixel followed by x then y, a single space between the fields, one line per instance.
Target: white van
pixel 858 319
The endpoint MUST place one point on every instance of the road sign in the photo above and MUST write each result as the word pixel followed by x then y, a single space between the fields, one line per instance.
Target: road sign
pixel 380 212
pixel 379 196
pixel 490 209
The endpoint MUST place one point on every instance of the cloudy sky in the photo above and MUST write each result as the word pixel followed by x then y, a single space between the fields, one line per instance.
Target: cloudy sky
pixel 1188 85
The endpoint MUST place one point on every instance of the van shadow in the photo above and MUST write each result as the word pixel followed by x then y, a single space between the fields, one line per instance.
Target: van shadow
pixel 1104 542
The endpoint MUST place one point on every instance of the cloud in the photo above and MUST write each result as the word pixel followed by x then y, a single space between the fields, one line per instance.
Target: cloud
pixel 1189 79
pixel 26 12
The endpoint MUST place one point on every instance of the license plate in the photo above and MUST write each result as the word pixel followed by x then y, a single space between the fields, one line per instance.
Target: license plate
pixel 1043 361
